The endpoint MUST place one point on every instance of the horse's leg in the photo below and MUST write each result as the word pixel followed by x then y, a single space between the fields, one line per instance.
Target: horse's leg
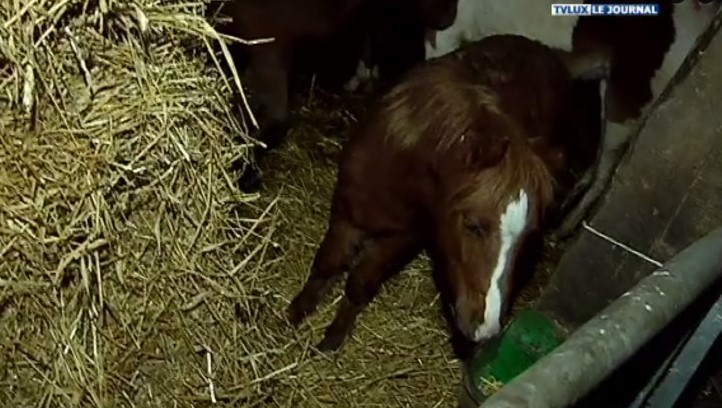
pixel 334 256
pixel 269 68
pixel 615 140
pixel 583 184
pixel 616 133
pixel 634 63
pixel 381 259
pixel 580 187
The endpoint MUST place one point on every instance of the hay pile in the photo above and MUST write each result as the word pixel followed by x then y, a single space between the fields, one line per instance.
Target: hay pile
pixel 117 216
pixel 132 272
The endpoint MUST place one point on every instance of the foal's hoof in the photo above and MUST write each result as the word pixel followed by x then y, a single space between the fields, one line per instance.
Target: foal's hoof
pixel 295 314
pixel 250 180
pixel 330 343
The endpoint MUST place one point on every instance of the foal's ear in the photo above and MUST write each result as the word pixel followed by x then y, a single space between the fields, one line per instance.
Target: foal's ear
pixel 553 157
pixel 488 154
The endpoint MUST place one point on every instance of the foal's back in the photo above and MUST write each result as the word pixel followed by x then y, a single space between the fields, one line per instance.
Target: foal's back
pixel 502 77
pixel 501 86
pixel 530 81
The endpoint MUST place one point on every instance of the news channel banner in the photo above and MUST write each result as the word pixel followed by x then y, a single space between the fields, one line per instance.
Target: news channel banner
pixel 649 9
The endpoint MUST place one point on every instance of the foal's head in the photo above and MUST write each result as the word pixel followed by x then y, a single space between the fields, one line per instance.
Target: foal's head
pixel 494 197
pixel 491 182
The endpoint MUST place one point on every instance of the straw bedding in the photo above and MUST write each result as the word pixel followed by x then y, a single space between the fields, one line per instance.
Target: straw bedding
pixel 133 272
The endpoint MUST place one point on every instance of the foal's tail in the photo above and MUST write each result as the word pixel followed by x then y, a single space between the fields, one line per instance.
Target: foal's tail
pixel 585 66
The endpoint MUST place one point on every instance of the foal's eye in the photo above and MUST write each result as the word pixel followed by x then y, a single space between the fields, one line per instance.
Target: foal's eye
pixel 476 229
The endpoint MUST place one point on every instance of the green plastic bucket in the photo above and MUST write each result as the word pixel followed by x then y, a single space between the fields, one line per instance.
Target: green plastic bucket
pixel 528 337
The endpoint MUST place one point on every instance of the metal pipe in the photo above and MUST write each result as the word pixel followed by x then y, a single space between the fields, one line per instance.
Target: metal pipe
pixel 641 400
pixel 685 366
pixel 598 347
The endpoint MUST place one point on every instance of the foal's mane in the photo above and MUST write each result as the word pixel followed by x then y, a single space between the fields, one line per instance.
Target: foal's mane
pixel 437 103
pixel 449 107
pixel 520 168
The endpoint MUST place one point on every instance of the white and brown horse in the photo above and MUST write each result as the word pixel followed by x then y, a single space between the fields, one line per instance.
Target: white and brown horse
pixel 642 54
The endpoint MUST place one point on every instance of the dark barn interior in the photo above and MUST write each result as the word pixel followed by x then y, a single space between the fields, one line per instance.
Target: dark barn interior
pixel 135 272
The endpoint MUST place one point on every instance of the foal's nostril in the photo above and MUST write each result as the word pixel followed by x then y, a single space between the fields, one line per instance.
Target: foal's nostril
pixel 467 327
pixel 478 331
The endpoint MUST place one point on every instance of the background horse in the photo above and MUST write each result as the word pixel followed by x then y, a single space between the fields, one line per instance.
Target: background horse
pixel 642 54
pixel 292 24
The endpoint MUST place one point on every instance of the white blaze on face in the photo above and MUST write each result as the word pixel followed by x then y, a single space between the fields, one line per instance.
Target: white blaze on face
pixel 512 224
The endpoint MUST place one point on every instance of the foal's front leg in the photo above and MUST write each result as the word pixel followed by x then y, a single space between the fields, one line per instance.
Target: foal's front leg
pixel 380 259
pixel 333 257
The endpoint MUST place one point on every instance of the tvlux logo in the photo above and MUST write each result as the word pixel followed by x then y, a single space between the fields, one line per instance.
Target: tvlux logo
pixel 701 1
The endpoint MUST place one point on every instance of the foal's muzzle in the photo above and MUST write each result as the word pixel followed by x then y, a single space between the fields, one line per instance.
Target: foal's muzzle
pixel 474 329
